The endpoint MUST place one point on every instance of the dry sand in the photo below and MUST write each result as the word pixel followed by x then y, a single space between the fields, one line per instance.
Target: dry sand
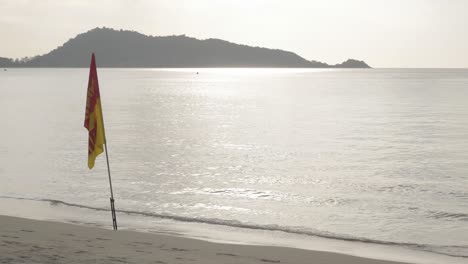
pixel 33 241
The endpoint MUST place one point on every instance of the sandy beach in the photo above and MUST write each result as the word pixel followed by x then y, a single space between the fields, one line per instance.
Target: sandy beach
pixel 32 241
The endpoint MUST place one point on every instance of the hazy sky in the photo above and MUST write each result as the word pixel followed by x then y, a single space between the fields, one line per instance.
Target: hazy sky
pixel 384 33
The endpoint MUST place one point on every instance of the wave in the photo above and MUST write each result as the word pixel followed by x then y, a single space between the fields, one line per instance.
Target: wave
pixel 448 215
pixel 439 249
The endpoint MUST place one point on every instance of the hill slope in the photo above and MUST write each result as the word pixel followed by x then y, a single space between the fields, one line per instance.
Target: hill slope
pixel 115 48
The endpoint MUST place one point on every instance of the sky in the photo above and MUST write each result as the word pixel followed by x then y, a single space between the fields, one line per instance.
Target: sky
pixel 384 33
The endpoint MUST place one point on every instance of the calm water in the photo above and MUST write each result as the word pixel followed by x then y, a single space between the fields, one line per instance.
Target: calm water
pixel 378 156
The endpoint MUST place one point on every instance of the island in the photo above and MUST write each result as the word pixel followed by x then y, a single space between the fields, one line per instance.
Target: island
pixel 130 49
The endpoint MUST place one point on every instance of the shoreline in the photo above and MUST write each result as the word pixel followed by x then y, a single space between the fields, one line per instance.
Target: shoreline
pixel 37 241
pixel 217 234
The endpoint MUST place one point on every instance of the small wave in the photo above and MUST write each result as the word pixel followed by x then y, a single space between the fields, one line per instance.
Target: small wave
pixel 448 215
pixel 440 249
pixel 463 195
pixel 398 188
pixel 264 194
pixel 239 192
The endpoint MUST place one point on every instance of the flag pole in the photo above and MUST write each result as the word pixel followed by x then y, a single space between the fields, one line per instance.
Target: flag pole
pixel 114 217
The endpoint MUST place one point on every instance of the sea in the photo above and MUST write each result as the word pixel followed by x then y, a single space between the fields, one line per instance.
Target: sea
pixel 366 162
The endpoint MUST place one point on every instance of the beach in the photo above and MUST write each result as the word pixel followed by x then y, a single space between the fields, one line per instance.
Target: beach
pixel 260 131
pixel 33 241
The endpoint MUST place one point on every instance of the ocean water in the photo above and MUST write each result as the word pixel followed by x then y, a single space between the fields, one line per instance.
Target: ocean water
pixel 375 156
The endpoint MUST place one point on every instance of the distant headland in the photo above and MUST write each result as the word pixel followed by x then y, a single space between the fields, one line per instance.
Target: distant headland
pixel 130 49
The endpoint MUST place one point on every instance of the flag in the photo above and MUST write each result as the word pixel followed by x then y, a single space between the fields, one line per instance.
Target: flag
pixel 93 117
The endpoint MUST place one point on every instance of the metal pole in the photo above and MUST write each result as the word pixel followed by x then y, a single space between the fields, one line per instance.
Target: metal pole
pixel 114 217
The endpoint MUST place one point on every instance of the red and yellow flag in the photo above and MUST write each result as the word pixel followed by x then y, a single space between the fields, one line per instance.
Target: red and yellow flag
pixel 93 117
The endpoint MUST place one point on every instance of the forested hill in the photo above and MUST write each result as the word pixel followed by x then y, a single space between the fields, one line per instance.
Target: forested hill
pixel 127 49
